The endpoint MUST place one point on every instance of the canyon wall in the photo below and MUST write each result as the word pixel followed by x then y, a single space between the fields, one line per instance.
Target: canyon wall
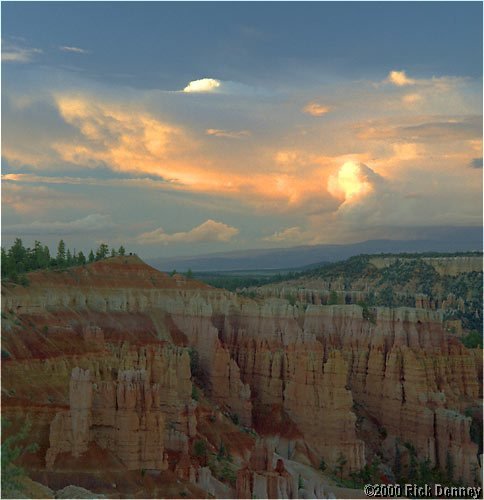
pixel 296 373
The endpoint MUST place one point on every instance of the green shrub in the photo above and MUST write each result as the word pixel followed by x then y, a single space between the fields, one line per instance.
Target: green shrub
pixel 11 451
pixel 200 448
pixel 195 368
pixel 472 340
pixel 222 451
pixel 23 280
pixel 228 474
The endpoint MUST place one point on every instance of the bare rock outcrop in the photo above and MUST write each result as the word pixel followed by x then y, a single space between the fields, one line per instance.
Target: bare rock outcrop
pixel 260 479
pixel 296 371
pixel 127 415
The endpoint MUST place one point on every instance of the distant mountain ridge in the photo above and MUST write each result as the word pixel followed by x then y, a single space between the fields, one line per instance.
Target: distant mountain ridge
pixel 297 257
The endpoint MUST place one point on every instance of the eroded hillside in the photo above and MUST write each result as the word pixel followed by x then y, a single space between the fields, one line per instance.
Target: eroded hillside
pixel 139 384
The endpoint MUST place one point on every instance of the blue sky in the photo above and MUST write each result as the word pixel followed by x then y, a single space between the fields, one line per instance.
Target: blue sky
pixel 304 122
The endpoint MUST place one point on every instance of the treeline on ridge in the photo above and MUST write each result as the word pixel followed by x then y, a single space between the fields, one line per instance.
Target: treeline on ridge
pixel 393 286
pixel 18 260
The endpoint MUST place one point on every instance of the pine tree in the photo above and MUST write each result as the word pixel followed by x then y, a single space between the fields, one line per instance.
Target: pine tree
pixel 4 263
pixel 121 250
pixel 41 256
pixel 113 252
pixel 61 253
pixel 81 259
pixel 46 256
pixel 91 256
pixel 102 251
pixel 69 260
pixel 17 256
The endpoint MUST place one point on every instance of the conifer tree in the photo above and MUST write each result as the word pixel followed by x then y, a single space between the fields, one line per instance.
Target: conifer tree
pixel 81 259
pixel 61 253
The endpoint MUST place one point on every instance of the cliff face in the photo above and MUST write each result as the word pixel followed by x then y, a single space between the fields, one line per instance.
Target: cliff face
pixel 100 356
pixel 124 410
pixel 408 373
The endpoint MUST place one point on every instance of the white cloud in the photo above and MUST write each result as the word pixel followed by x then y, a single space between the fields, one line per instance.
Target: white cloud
pixel 315 109
pixel 76 50
pixel 93 222
pixel 203 85
pixel 353 181
pixel 229 134
pixel 17 54
pixel 209 231
pixel 399 78
pixel 292 234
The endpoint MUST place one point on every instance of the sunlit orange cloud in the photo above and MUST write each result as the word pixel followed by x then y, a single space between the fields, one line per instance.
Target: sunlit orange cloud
pixel 350 182
pixel 125 140
pixel 19 157
pixel 316 109
pixel 412 99
pixel 130 141
pixel 400 78
pixel 476 145
pixel 406 151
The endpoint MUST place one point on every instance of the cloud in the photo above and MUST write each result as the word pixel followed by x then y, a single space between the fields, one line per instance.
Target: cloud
pixel 203 85
pixel 76 50
pixel 209 231
pixel 353 182
pixel 399 78
pixel 405 151
pixel 142 182
pixel 133 141
pixel 292 234
pixel 229 134
pixel 442 84
pixel 441 130
pixel 411 99
pixel 32 200
pixel 476 163
pixel 91 223
pixel 227 87
pixel 315 109
pixel 125 140
pixel 18 54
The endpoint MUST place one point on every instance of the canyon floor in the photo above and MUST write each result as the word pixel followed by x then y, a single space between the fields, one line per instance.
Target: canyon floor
pixel 121 381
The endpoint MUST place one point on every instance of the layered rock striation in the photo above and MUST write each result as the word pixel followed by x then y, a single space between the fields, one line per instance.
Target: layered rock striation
pixel 114 365
pixel 125 411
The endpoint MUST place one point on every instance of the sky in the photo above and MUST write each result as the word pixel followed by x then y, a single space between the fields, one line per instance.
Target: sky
pixel 187 128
